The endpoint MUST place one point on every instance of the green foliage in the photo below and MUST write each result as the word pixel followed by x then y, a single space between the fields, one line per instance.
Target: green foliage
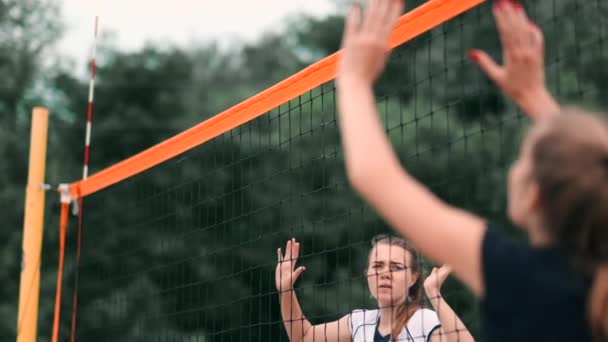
pixel 187 250
pixel 27 29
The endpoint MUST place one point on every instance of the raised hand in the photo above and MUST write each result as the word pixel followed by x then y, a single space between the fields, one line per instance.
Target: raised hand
pixel 366 38
pixel 432 283
pixel 286 274
pixel 522 75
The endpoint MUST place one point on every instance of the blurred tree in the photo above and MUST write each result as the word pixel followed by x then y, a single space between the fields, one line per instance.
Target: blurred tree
pixel 27 29
pixel 186 251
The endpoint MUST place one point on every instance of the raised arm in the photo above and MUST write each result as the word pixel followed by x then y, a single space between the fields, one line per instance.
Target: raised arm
pixel 522 75
pixel 445 234
pixel 452 328
pixel 298 328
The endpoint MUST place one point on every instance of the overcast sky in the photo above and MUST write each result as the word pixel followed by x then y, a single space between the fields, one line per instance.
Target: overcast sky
pixel 176 21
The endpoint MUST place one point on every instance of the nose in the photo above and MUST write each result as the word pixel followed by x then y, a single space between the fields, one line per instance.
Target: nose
pixel 385 274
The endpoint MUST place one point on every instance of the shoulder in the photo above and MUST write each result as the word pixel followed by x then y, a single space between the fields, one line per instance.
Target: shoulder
pixel 363 316
pixel 426 318
pixel 423 323
pixel 497 241
pixel 362 323
pixel 503 258
pixel 427 314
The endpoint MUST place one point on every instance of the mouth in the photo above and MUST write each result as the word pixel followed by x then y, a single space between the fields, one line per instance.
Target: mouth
pixel 385 286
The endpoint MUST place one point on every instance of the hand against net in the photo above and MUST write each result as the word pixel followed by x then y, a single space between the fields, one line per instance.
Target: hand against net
pixel 285 275
pixel 522 75
pixel 432 283
pixel 365 40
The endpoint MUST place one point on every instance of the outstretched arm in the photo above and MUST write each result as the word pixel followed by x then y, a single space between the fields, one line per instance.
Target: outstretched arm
pixel 298 328
pixel 372 166
pixel 452 328
pixel 522 75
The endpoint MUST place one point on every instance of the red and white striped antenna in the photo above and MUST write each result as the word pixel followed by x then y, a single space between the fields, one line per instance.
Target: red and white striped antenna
pixel 87 146
pixel 79 207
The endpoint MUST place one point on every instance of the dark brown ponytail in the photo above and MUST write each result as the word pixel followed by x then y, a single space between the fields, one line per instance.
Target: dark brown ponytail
pixel 598 304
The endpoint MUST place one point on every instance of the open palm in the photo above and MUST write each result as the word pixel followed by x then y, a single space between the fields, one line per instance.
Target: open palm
pixel 286 274
pixel 433 283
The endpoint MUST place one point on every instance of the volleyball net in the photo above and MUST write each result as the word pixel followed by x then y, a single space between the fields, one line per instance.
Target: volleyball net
pixel 179 242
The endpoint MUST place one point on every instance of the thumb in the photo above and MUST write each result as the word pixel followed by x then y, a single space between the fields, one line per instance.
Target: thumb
pixel 444 272
pixel 297 272
pixel 488 65
pixel 446 269
pixel 353 21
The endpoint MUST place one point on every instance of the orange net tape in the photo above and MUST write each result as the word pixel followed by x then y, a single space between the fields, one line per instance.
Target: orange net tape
pixel 410 25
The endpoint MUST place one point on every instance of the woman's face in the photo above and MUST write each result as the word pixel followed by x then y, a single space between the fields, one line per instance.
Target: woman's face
pixel 389 274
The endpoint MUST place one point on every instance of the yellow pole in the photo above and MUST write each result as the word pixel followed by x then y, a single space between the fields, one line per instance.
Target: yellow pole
pixel 27 324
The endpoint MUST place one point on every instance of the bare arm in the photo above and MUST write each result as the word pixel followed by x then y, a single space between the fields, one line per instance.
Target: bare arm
pixel 296 325
pixel 298 328
pixel 452 328
pixel 372 166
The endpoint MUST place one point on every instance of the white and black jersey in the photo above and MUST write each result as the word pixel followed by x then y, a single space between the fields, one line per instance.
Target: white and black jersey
pixel 364 326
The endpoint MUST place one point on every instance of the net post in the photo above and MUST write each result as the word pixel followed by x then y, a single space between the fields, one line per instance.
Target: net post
pixel 29 292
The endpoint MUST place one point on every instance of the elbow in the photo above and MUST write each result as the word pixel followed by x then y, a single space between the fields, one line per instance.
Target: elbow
pixel 370 174
pixel 367 177
pixel 359 176
pixel 302 338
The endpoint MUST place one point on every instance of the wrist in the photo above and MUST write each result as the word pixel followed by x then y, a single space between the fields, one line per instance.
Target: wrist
pixel 352 81
pixel 433 294
pixel 538 104
pixel 286 291
pixel 286 296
